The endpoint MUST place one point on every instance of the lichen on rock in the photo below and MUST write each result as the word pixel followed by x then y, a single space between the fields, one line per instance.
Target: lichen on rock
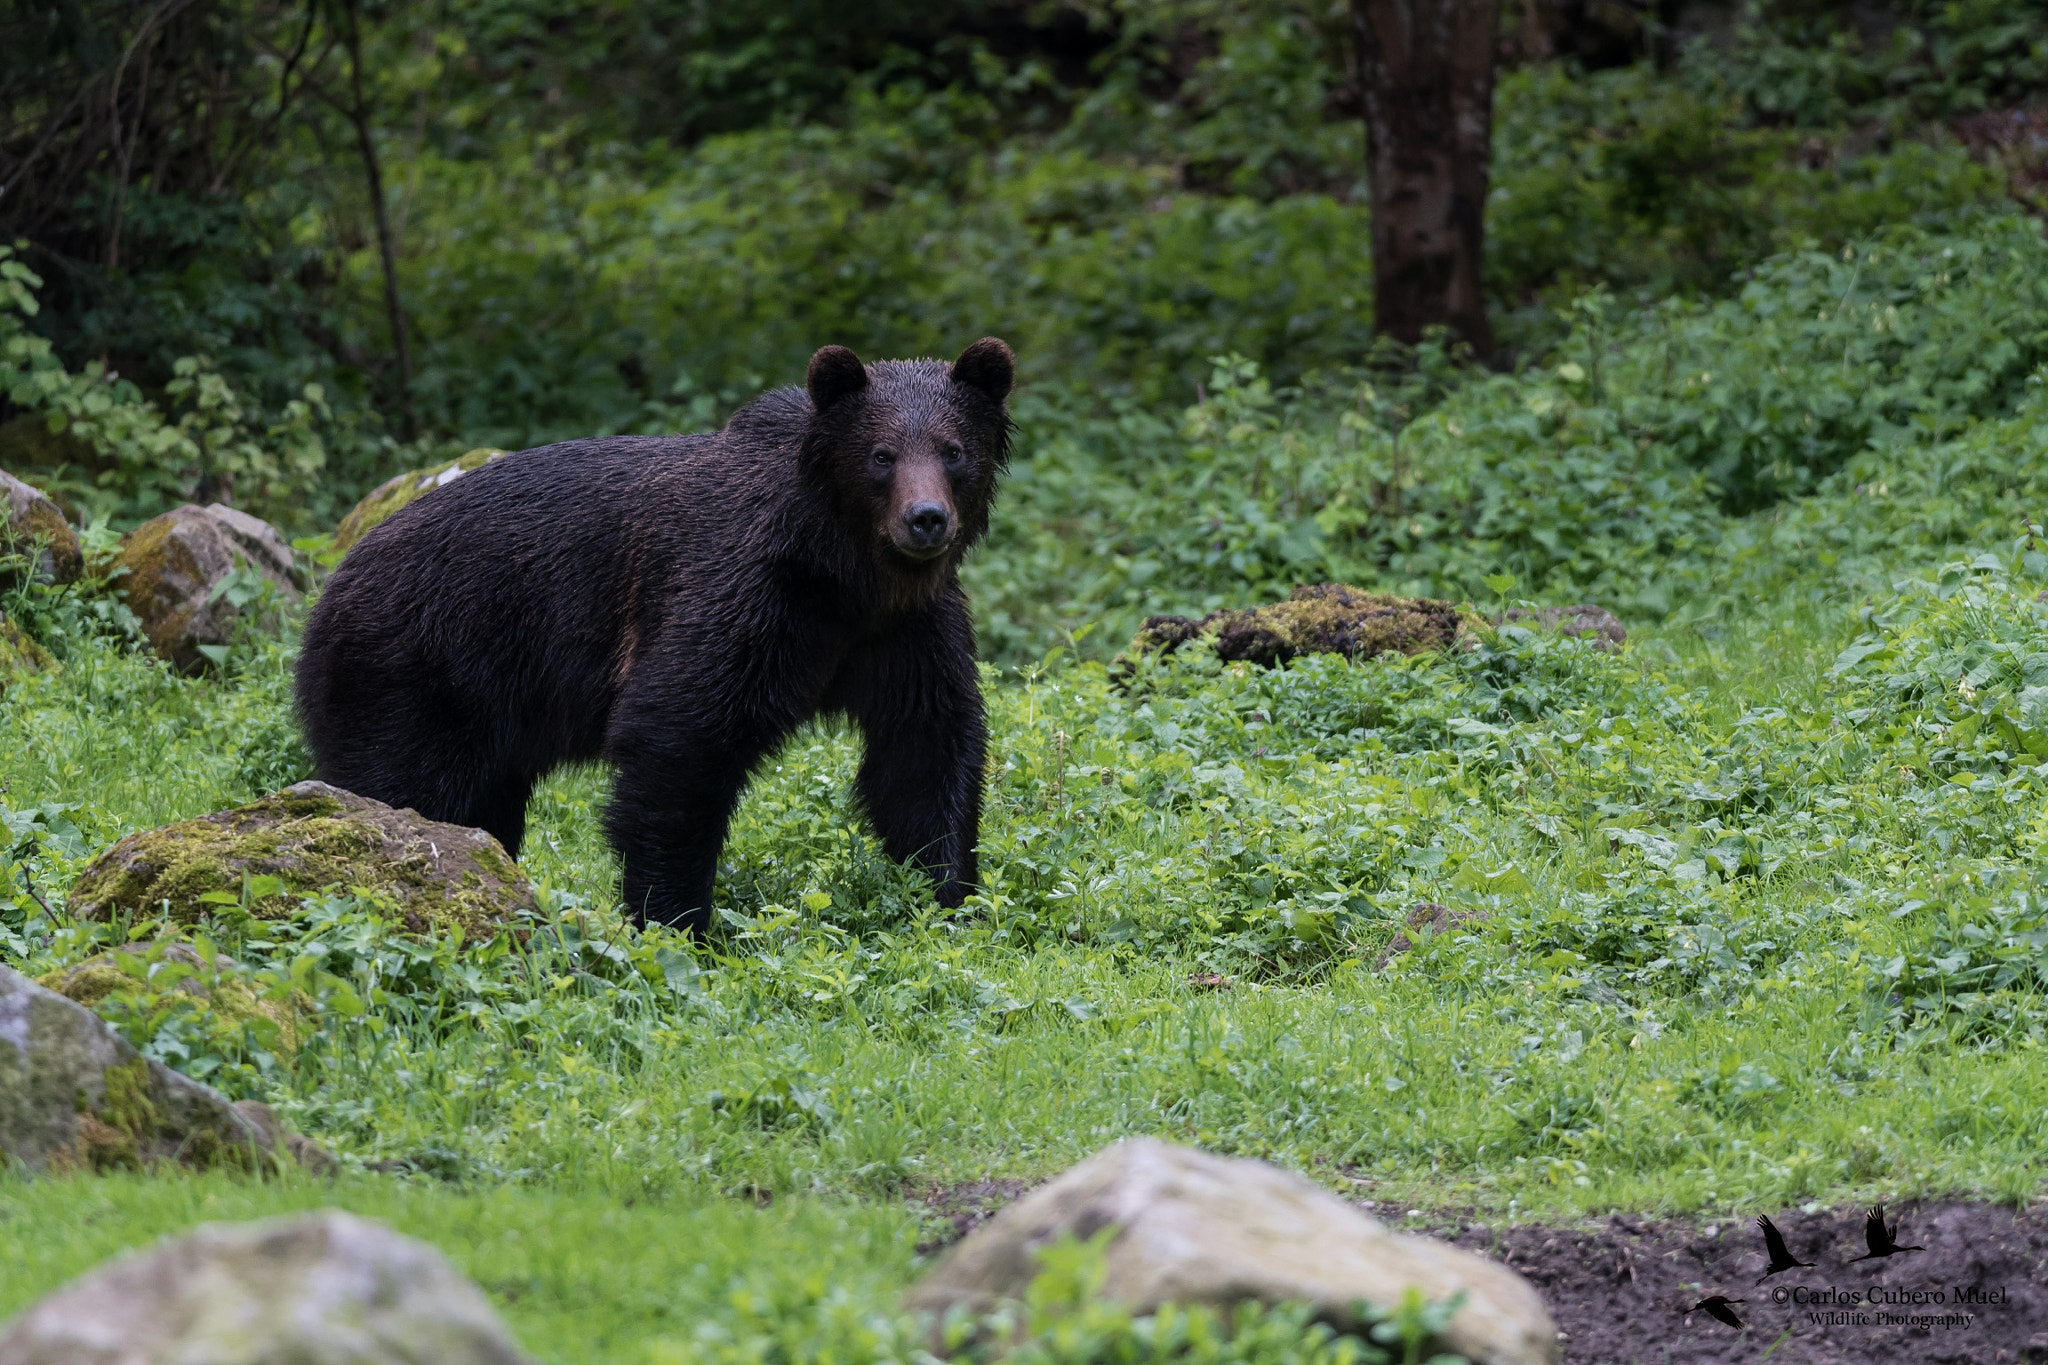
pixel 311 837
pixel 32 528
pixel 1321 618
pixel 177 569
pixel 75 1096
pixel 394 493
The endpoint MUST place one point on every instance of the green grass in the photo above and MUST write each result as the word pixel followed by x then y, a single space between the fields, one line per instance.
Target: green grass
pixel 579 1279
pixel 1698 861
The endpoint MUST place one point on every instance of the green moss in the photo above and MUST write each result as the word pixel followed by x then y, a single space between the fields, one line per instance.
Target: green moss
pixel 395 493
pixel 127 1117
pixel 300 806
pixel 19 655
pixel 88 983
pixel 1323 618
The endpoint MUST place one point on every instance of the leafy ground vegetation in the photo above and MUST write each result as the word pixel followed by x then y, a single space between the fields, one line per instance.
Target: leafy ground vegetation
pixel 1750 914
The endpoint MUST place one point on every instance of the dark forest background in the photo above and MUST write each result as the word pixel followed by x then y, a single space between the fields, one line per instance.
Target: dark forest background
pixel 326 241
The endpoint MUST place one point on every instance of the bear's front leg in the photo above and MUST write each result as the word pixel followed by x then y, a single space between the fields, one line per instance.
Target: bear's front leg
pixel 918 703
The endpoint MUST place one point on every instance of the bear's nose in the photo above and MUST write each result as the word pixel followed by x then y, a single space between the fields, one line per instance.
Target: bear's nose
pixel 929 524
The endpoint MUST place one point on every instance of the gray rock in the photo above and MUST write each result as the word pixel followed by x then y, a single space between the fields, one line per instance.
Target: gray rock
pixel 1427 919
pixel 323 1288
pixel 1196 1228
pixel 34 526
pixel 1601 627
pixel 75 1096
pixel 177 565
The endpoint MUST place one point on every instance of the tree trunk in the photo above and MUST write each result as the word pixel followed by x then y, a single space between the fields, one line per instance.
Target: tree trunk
pixel 373 172
pixel 1426 73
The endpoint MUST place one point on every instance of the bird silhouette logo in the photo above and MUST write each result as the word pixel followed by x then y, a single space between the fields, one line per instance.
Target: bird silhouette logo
pixel 1718 1308
pixel 1774 1243
pixel 1883 1240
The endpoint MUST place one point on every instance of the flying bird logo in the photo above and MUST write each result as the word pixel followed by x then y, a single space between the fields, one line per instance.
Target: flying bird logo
pixel 1774 1244
pixel 1719 1308
pixel 1883 1240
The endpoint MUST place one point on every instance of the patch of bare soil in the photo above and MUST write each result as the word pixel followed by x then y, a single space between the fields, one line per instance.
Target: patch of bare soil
pixel 1977 1293
pixel 953 1211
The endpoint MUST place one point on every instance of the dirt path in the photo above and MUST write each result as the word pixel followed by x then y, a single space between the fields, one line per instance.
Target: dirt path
pixel 1618 1291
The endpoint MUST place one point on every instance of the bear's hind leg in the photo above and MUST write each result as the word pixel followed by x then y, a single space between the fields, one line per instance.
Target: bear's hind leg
pixel 668 825
pixel 498 806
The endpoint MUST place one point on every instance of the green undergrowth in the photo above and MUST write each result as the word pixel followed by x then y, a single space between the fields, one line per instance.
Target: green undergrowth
pixel 1844 417
pixel 1734 905
pixel 1746 914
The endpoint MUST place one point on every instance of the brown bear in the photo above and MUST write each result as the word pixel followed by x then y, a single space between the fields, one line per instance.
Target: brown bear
pixel 676 607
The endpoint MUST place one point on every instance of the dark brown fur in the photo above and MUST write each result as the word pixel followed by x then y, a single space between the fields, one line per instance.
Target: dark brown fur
pixel 676 606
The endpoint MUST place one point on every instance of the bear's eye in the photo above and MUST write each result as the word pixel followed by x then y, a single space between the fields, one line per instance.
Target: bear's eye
pixel 884 456
pixel 954 454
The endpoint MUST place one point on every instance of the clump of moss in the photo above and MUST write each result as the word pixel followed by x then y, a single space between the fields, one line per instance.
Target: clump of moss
pixel 233 1000
pixel 1321 618
pixel 309 838
pixel 127 1112
pixel 387 497
pixel 88 983
pixel 20 655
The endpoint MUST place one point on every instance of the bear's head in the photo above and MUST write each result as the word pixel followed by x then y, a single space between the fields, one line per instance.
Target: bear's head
pixel 911 449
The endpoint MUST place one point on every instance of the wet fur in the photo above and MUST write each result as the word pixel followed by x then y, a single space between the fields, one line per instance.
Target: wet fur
pixel 676 607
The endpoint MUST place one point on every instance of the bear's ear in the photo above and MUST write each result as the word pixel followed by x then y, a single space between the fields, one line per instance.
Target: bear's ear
pixel 988 365
pixel 835 372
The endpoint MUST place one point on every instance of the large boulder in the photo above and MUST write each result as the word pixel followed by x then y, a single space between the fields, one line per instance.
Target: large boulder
pixel 75 1096
pixel 34 528
pixel 1195 1228
pixel 179 567
pixel 396 492
pixel 322 1288
pixel 310 837
pixel 1321 618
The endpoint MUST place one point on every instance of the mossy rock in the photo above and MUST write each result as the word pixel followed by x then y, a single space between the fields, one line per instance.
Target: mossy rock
pixel 1323 618
pixel 311 837
pixel 33 528
pixel 175 566
pixel 75 1096
pixel 133 970
pixel 395 493
pixel 19 655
